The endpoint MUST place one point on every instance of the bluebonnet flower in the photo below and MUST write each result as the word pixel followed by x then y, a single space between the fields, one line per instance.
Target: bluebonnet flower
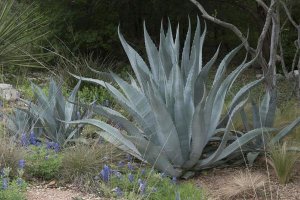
pixel 118 191
pixel 24 141
pixel 130 166
pixel 105 173
pixel 129 157
pixel 56 147
pixel 121 164
pixel 117 174
pixel 143 172
pixel 174 180
pixel 142 186
pixel 53 145
pixel 49 145
pixel 32 138
pixel 130 178
pixel 4 183
pixel 21 164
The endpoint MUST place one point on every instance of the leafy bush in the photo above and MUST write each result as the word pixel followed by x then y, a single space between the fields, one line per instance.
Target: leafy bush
pixel 81 163
pixel 283 159
pixel 10 154
pixel 43 162
pixel 132 182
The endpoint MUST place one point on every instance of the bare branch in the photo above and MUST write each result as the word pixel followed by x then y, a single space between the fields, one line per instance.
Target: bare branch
pixel 233 28
pixel 262 4
pixel 288 13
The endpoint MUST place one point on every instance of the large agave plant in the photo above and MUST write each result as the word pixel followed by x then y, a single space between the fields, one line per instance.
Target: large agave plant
pixel 49 113
pixel 177 124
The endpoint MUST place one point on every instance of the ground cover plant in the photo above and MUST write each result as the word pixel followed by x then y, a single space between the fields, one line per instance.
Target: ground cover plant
pixel 132 181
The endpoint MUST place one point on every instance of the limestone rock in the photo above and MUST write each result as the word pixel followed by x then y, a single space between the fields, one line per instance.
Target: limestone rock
pixel 8 93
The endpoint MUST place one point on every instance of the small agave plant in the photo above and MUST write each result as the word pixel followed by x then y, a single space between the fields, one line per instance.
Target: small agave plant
pixel 48 114
pixel 177 118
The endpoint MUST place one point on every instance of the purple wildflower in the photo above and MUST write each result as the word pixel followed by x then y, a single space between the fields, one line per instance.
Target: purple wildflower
pixel 56 147
pixel 121 164
pixel 118 191
pixel 130 178
pixel 130 166
pixel 129 157
pixel 117 174
pixel 143 172
pixel 24 141
pixel 32 138
pixel 4 183
pixel 142 186
pixel 174 180
pixel 105 173
pixel 21 164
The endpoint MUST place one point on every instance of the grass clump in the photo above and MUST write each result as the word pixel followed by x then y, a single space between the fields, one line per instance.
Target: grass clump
pixel 80 163
pixel 243 185
pixel 43 162
pixel 10 154
pixel 282 160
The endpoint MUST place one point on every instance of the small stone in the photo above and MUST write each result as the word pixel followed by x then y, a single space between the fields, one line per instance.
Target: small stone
pixel 8 93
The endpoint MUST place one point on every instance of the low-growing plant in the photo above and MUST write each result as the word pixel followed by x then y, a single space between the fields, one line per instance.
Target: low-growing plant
pixel 43 161
pixel 80 163
pixel 283 158
pixel 12 188
pixel 10 154
pixel 130 181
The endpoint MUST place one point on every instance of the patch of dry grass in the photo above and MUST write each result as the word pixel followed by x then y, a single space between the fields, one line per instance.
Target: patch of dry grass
pixel 243 185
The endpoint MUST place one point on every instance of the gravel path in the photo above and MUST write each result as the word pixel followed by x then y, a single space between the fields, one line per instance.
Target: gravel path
pixel 40 192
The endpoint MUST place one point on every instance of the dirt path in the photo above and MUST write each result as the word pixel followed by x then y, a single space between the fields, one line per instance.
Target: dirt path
pixel 39 192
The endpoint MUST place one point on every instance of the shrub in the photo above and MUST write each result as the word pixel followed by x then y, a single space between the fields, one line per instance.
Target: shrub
pixel 282 159
pixel 81 163
pixel 43 162
pixel 10 154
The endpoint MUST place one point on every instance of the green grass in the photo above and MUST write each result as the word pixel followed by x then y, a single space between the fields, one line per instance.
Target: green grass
pixel 283 161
